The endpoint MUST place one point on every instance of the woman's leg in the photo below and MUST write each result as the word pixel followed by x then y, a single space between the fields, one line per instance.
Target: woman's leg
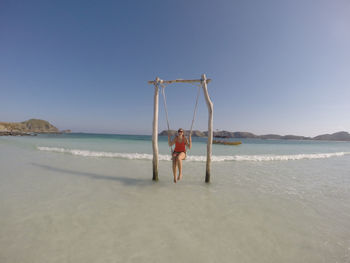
pixel 179 158
pixel 174 166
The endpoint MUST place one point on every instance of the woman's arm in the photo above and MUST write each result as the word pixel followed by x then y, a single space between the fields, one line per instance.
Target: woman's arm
pixel 171 143
pixel 189 142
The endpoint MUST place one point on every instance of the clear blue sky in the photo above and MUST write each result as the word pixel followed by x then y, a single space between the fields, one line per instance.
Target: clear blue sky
pixel 277 66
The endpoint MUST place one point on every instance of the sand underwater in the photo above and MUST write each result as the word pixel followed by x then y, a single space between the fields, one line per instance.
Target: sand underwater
pixel 64 207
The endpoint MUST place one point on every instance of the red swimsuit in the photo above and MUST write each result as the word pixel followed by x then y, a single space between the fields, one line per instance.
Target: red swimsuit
pixel 180 146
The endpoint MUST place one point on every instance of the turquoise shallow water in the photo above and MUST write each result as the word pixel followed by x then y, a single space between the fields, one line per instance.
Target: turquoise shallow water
pixel 98 144
pixel 90 198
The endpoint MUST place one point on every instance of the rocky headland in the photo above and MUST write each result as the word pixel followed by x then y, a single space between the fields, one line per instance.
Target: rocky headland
pixel 30 127
pixel 338 136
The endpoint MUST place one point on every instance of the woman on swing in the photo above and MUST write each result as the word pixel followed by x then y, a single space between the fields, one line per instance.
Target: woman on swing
pixel 179 152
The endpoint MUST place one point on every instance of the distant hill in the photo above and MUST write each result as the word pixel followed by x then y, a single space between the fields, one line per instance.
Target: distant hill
pixel 339 136
pixel 30 126
pixel 187 132
pixel 295 137
pixel 271 137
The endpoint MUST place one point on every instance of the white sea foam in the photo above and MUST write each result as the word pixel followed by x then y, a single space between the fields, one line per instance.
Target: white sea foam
pixel 195 158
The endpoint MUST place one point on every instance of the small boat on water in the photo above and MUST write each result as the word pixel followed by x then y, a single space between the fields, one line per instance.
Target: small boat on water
pixel 226 142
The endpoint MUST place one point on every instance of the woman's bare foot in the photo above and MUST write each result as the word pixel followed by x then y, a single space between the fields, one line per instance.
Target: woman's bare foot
pixel 179 177
pixel 175 180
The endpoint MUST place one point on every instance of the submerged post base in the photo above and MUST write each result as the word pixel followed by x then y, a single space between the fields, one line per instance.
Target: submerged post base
pixel 207 177
pixel 155 172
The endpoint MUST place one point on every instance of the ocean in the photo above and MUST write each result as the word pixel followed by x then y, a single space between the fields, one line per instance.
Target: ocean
pixel 90 198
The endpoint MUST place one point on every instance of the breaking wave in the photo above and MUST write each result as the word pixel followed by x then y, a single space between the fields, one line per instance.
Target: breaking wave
pixel 195 158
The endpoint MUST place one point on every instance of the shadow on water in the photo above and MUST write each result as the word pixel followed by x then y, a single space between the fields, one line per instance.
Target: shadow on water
pixel 124 180
pixel 127 181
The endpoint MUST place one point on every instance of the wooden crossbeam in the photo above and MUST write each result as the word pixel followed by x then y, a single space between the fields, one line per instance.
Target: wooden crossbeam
pixel 178 80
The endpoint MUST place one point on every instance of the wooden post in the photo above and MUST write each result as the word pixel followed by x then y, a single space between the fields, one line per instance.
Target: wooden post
pixel 210 127
pixel 155 130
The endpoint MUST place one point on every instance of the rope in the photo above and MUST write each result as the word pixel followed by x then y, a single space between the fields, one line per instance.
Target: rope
pixel 166 111
pixel 195 109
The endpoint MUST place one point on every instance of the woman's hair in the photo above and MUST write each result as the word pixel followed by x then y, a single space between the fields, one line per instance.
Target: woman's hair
pixel 180 130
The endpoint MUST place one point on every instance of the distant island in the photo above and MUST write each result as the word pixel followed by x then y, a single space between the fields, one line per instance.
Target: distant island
pixel 30 127
pixel 36 126
pixel 338 136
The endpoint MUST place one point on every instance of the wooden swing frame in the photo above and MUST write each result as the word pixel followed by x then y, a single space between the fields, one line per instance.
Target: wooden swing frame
pixel 204 83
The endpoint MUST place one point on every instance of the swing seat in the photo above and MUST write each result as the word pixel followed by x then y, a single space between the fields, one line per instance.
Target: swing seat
pixel 172 155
